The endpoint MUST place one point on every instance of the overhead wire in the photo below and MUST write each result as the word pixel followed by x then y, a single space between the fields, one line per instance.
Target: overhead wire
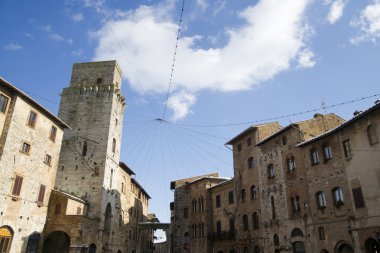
pixel 174 59
pixel 283 116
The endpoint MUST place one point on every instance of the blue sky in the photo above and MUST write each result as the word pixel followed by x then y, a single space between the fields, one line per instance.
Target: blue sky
pixel 237 61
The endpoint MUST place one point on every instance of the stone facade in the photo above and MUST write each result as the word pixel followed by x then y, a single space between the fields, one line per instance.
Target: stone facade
pixel 191 212
pixel 108 201
pixel 30 143
pixel 312 186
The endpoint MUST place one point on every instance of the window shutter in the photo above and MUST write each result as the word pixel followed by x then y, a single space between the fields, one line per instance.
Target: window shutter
pixel 17 186
pixel 358 197
pixel 41 194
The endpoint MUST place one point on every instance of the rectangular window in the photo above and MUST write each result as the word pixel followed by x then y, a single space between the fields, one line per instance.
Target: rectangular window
pixel 218 228
pixel 25 148
pixel 347 148
pixel 239 147
pixel 53 133
pixel 186 212
pixel 230 197
pixel 321 231
pixel 358 197
pixel 17 186
pixel 32 119
pixel 41 194
pixel 314 157
pixel 249 142
pixel 3 103
pixel 217 201
pixel 327 154
pixel 47 159
pixel 232 224
pixel 284 140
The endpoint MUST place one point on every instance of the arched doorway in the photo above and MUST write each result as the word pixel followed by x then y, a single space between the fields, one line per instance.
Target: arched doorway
pixel 33 241
pixel 92 248
pixel 372 246
pixel 57 242
pixel 6 235
pixel 298 247
pixel 343 247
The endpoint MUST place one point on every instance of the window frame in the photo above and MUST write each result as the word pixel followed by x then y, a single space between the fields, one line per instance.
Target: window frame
pixel 271 173
pixel 32 122
pixel 314 156
pixel 53 133
pixel 218 201
pixel 327 152
pixel 338 196
pixel 291 164
pixel 253 192
pixel 347 148
pixel 3 103
pixel 25 148
pixel 48 159
pixel 245 222
pixel 321 200
pixel 230 197
pixel 251 162
pixel 41 194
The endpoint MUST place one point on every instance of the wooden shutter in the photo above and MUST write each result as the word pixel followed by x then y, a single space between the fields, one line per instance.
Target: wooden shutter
pixel 358 197
pixel 17 186
pixel 41 194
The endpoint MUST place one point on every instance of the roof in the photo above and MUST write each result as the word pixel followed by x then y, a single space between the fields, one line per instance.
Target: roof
pixel 209 178
pixel 126 168
pixel 20 93
pixel 223 183
pixel 245 132
pixel 71 196
pixel 141 188
pixel 345 124
pixel 282 130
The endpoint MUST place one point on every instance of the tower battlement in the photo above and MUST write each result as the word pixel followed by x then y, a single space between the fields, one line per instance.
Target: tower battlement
pixel 96 74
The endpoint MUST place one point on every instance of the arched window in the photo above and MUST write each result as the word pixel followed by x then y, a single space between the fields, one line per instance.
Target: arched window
pixel 338 196
pixel 107 219
pixel 291 163
pixel 314 156
pixel 321 200
pixel 372 135
pixel 33 241
pixel 113 145
pixel 255 221
pixel 273 208
pixel 245 222
pixel 243 195
pixel 295 204
pixel 6 235
pixel 92 248
pixel 297 233
pixel 199 204
pixel 253 192
pixel 276 240
pixel 251 163
pixel 271 172
pixel 84 148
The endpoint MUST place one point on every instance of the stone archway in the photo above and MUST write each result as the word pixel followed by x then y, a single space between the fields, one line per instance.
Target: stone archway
pixel 57 242
pixel 33 241
pixel 92 248
pixel 343 247
pixel 372 246
pixel 6 235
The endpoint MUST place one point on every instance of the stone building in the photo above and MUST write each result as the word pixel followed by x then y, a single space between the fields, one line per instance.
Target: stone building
pixel 191 213
pixel 30 143
pixel 222 234
pixel 97 204
pixel 312 186
pixel 343 173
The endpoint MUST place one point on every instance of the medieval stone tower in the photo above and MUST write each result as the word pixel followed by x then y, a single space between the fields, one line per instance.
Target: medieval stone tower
pixel 93 107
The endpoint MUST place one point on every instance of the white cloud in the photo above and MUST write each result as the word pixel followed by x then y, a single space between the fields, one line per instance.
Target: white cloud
pixel 272 40
pixel 56 37
pixel 368 23
pixel 202 4
pixel 77 17
pixel 305 59
pixel 13 47
pixel 336 11
pixel 181 103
